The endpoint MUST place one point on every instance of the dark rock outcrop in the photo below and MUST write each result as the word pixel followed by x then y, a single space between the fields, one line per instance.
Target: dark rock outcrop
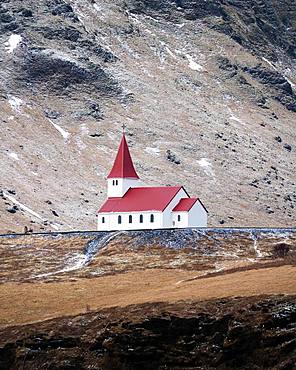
pixel 276 85
pixel 255 24
pixel 55 73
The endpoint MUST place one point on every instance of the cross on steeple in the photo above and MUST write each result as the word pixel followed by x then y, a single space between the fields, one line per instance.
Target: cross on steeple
pixel 123 128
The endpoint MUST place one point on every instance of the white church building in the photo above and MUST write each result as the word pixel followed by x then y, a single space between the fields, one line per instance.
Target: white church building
pixel 130 206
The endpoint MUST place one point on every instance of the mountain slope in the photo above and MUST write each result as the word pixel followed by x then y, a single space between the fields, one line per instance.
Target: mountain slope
pixel 206 90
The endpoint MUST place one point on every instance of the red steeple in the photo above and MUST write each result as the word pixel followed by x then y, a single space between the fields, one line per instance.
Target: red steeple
pixel 123 165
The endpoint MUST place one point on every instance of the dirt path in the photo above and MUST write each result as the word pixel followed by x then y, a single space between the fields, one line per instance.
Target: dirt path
pixel 25 302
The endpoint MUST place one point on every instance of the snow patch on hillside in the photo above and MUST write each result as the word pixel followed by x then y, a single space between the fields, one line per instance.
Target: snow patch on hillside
pixel 15 103
pixel 193 65
pixel 236 119
pixel 276 69
pixel 13 156
pixel 12 43
pixel 65 134
pixel 207 166
pixel 154 151
pixel 27 209
pixel 270 63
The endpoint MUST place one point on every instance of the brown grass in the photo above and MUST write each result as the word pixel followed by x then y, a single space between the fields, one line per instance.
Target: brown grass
pixel 26 303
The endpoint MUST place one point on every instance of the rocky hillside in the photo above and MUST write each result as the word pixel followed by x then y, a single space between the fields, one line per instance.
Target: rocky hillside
pixel 207 90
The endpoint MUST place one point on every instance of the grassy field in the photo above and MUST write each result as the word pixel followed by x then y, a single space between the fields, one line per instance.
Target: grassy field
pixel 30 302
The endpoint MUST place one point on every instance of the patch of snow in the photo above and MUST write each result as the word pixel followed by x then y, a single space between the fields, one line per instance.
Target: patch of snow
pixel 136 19
pixel 219 268
pixel 181 25
pixel 207 166
pixel 14 156
pixel 26 209
pixel 97 7
pixel 10 118
pixel 270 63
pixel 12 42
pixel 76 262
pixel 193 65
pixel 259 254
pixel 290 82
pixel 63 132
pixel 154 151
pixel 170 53
pixel 15 103
pixel 234 118
pixel 275 68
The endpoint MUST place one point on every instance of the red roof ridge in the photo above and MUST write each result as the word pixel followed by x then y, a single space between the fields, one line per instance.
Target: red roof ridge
pixel 185 204
pixel 123 166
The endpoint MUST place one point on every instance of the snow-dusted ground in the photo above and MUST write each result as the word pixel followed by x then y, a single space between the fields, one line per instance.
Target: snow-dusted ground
pixel 28 210
pixel 13 156
pixel 153 151
pixel 12 43
pixel 206 166
pixel 65 134
pixel 15 103
pixel 193 65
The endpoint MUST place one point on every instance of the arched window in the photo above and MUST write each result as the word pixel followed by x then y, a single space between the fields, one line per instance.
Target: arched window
pixel 141 219
pixel 119 219
pixel 113 182
pixel 116 182
pixel 103 220
pixel 151 218
pixel 179 217
pixel 130 219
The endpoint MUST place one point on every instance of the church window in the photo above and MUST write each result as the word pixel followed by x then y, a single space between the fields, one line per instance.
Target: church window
pixel 151 218
pixel 119 219
pixel 103 220
pixel 141 219
pixel 130 219
pixel 179 217
pixel 116 182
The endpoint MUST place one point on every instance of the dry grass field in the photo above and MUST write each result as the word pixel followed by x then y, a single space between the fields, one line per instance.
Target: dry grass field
pixel 27 302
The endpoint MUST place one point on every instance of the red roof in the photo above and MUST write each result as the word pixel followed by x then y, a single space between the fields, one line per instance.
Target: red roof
pixel 186 204
pixel 141 199
pixel 123 165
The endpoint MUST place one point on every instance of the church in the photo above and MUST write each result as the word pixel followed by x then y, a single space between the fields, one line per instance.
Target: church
pixel 130 206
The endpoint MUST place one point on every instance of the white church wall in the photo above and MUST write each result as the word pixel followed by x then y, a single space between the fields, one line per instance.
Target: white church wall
pixel 118 187
pixel 167 219
pixel 197 216
pixel 180 219
pixel 111 221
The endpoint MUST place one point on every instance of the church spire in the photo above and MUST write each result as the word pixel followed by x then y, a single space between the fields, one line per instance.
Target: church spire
pixel 123 165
